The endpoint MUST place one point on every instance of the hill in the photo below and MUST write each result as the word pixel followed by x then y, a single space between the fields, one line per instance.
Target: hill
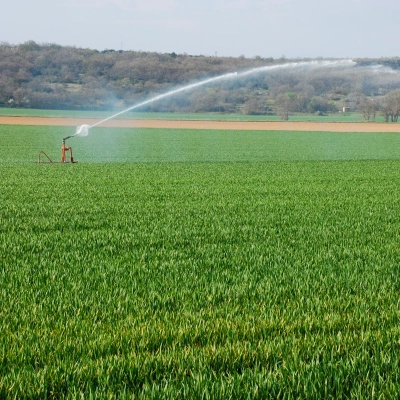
pixel 50 76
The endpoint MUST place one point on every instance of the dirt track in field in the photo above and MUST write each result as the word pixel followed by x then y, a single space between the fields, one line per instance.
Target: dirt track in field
pixel 218 125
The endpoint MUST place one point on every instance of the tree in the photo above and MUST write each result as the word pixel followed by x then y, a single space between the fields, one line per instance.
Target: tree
pixel 391 106
pixel 367 107
pixel 304 93
pixel 284 104
pixel 30 45
pixel 253 106
pixel 320 105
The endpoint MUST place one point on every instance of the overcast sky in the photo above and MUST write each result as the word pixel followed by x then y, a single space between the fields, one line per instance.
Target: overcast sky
pixel 267 28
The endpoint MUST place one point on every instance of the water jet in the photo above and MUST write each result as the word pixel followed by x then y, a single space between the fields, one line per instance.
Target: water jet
pixel 83 130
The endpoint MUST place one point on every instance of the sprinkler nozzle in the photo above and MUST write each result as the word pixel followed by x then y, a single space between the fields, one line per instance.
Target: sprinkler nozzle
pixel 67 137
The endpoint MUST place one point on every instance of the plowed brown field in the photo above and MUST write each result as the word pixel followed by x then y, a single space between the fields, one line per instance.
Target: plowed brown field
pixel 219 125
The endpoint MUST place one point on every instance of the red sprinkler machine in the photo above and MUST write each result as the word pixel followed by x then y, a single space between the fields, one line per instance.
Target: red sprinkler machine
pixel 82 130
pixel 64 150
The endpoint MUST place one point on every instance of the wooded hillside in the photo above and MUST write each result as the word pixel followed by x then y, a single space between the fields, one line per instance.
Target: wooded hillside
pixel 55 77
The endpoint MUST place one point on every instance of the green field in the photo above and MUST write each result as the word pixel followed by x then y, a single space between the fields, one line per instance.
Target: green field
pixel 339 117
pixel 200 264
pixel 22 144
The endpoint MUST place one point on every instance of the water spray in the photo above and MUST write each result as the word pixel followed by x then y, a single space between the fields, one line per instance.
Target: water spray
pixel 293 65
pixel 83 130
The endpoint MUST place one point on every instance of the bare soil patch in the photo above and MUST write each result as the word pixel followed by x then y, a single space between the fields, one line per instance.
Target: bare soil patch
pixel 218 125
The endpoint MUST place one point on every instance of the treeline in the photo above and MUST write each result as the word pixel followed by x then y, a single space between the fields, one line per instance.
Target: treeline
pixel 51 76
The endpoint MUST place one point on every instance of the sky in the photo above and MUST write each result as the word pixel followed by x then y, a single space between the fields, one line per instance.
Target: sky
pixel 265 28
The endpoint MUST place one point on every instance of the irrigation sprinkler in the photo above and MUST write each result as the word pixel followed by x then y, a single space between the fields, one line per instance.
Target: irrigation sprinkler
pixel 64 150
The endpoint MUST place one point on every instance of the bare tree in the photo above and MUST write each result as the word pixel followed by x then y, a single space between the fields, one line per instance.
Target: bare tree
pixel 284 104
pixel 391 106
pixel 367 107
